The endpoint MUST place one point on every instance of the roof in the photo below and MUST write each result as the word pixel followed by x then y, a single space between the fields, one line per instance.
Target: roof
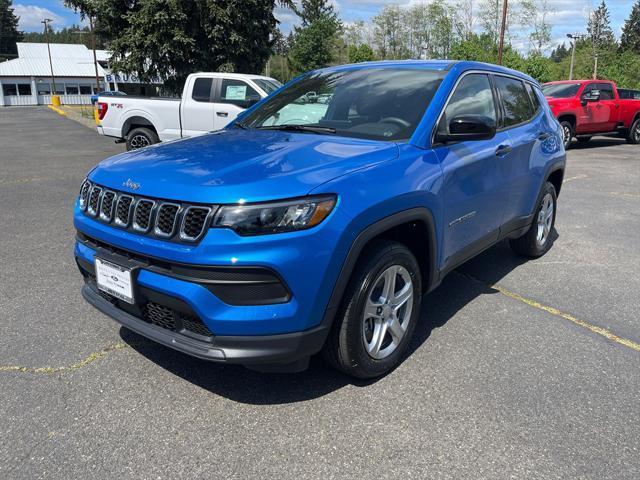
pixel 68 61
pixel 58 50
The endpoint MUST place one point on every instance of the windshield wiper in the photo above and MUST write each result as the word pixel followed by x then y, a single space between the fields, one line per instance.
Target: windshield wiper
pixel 298 128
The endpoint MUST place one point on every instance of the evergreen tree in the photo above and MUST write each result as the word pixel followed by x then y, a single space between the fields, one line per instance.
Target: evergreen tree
pixel 9 33
pixel 630 38
pixel 313 10
pixel 315 41
pixel 599 28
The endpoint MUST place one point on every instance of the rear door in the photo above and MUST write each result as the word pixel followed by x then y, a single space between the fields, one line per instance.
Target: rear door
pixel 610 107
pixel 475 174
pixel 528 128
pixel 233 96
pixel 198 108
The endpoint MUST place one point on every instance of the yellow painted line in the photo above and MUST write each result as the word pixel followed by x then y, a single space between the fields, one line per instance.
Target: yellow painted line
pixel 69 368
pixel 59 111
pixel 608 334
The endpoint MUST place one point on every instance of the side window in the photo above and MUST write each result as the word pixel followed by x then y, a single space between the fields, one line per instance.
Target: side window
pixel 202 89
pixel 534 98
pixel 606 91
pixel 237 92
pixel 515 100
pixel 473 96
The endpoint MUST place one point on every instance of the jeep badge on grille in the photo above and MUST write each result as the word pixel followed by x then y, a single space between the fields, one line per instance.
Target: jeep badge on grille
pixel 131 184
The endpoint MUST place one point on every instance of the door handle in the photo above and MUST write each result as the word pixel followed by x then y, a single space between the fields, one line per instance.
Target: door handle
pixel 503 150
pixel 222 114
pixel 543 136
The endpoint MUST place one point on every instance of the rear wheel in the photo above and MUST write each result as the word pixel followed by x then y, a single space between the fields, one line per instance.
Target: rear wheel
pixel 380 311
pixel 567 133
pixel 537 241
pixel 633 136
pixel 141 137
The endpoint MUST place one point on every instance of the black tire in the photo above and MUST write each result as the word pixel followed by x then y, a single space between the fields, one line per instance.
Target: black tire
pixel 141 137
pixel 583 140
pixel 345 347
pixel 529 244
pixel 633 136
pixel 567 133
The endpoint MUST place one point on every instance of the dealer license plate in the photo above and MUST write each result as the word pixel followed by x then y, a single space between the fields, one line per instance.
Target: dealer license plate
pixel 114 279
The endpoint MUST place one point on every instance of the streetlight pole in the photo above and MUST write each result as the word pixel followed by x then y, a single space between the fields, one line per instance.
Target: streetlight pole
pixel 575 37
pixel 502 29
pixel 46 22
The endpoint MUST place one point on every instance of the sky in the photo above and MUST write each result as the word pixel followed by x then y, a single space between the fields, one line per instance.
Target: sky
pixel 569 17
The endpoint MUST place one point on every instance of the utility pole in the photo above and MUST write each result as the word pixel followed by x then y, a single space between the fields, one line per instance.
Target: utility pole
pixel 93 47
pixel 502 29
pixel 575 37
pixel 46 22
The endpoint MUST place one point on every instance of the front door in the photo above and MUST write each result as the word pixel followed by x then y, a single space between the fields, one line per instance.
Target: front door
pixel 235 96
pixel 609 106
pixel 475 174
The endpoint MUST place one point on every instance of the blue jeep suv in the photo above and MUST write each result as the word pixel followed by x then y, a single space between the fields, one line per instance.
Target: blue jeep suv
pixel 318 219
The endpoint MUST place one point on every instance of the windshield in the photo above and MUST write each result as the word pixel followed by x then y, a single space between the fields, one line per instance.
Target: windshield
pixel 373 103
pixel 269 86
pixel 560 90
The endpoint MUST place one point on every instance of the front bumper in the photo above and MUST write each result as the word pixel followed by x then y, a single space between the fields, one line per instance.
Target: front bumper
pixel 245 350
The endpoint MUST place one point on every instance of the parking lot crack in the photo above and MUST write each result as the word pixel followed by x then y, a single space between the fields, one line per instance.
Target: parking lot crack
pixel 92 357
pixel 604 332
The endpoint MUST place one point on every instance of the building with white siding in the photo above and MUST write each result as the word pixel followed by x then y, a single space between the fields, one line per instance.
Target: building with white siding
pixel 27 80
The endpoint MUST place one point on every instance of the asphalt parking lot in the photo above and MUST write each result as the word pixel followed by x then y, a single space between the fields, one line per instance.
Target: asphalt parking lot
pixel 519 369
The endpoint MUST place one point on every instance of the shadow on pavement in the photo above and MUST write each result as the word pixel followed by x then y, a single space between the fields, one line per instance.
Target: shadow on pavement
pixel 596 142
pixel 242 385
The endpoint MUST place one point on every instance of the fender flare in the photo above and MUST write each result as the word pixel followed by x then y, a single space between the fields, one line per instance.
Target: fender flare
pixel 373 230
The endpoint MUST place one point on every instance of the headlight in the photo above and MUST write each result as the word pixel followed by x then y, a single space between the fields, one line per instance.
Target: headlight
pixel 277 217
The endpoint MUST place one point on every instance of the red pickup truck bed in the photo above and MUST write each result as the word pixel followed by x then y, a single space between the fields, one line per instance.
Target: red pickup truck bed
pixel 589 107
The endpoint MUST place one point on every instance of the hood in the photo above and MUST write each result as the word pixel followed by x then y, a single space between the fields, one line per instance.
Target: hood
pixel 236 165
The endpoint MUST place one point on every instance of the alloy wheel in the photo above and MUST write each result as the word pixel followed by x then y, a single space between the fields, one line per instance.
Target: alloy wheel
pixel 387 312
pixel 545 219
pixel 139 141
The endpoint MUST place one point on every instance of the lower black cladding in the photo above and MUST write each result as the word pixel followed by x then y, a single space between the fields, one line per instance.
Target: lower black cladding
pixel 234 285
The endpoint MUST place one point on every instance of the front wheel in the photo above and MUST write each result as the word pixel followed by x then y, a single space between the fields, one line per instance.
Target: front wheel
pixel 567 133
pixel 141 137
pixel 379 314
pixel 537 241
pixel 633 136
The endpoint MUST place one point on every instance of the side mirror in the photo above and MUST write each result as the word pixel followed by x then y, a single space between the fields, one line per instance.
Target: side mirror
pixel 468 127
pixel 592 96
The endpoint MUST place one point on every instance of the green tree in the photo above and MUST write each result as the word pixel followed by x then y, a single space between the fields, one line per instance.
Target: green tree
pixel 630 38
pixel 539 67
pixel 314 45
pixel 74 34
pixel 170 39
pixel 9 33
pixel 535 14
pixel 361 53
pixel 313 10
pixel 599 27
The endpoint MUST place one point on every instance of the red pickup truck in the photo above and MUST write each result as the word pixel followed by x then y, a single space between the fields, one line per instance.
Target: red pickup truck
pixel 588 107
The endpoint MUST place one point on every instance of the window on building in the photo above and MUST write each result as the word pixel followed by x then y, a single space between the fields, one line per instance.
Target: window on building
pixel 44 88
pixel 72 88
pixel 10 89
pixel 85 89
pixel 24 89
pixel 59 88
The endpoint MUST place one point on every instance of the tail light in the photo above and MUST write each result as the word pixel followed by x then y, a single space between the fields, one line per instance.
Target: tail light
pixel 102 110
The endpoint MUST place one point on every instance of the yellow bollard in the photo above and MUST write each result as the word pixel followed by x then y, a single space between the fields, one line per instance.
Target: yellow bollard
pixel 95 115
pixel 55 100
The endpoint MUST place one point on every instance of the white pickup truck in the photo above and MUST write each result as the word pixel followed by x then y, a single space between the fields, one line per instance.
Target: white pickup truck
pixel 209 102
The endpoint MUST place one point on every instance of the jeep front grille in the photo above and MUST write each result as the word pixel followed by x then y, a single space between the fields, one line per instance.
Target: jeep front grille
pixel 154 217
